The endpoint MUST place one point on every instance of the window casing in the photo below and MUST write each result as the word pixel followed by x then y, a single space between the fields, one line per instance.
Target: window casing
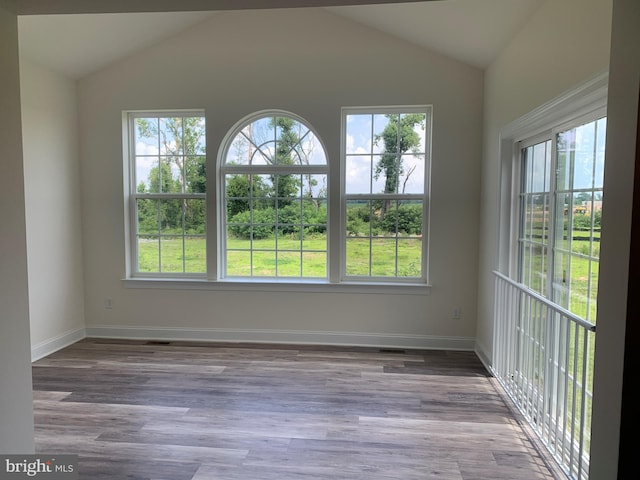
pixel 385 179
pixel 167 193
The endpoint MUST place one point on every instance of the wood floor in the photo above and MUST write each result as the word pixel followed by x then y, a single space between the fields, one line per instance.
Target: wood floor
pixel 198 411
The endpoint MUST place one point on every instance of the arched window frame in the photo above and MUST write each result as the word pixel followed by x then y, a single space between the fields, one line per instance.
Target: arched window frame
pixel 268 169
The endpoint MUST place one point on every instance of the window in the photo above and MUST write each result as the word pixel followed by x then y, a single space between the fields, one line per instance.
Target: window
pixel 274 184
pixel 559 232
pixel 167 193
pixel 269 205
pixel 385 179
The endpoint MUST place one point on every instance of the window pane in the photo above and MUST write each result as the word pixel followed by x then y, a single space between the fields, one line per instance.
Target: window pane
pixel 411 174
pixel 146 136
pixel 195 254
pixel 310 150
pixel 264 263
pixel 171 251
pixel 314 264
pixel 539 163
pixel 196 174
pixel 410 257
pixel 378 179
pixel 584 157
pixel 314 240
pixel 238 263
pixel 413 132
pixel 148 253
pixel 170 216
pixel 358 139
pixel 579 282
pixel 171 139
pixel 383 257
pixel 289 264
pixel 194 135
pixel 144 167
pixel 564 215
pixel 147 216
pixel 380 124
pixel 358 256
pixel 564 160
pixel 195 219
pixel 314 186
pixel 291 241
pixel 358 175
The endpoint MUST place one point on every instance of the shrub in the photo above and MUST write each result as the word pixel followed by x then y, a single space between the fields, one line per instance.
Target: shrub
pixel 240 224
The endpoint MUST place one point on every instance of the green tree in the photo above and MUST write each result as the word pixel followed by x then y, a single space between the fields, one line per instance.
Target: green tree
pixel 241 189
pixel 399 136
pixel 181 144
pixel 286 186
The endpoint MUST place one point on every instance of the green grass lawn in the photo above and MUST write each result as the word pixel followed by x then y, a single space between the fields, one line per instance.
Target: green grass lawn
pixel 285 256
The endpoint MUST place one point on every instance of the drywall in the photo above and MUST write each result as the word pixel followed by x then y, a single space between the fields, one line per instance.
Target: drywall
pixel 16 410
pixel 52 202
pixel 312 63
pixel 564 44
pixel 624 89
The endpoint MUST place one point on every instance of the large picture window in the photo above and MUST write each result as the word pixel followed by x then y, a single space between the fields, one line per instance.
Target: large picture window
pixel 386 174
pixel 268 216
pixel 274 184
pixel 168 193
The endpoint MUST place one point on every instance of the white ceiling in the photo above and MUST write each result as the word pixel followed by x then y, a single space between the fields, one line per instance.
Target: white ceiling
pixel 472 31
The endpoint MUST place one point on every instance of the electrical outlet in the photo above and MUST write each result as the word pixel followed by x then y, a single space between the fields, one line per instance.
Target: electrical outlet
pixel 457 313
pixel 108 303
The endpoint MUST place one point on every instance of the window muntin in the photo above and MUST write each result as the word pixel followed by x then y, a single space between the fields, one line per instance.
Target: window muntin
pixel 560 211
pixel 274 182
pixel 385 178
pixel 168 193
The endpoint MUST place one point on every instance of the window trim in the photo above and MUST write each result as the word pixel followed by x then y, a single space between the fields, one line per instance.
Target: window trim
pixel 424 197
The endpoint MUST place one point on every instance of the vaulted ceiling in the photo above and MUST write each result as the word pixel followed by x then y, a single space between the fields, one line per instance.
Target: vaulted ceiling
pixel 77 44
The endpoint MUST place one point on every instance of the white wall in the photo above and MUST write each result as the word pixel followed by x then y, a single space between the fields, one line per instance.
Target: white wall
pixel 565 43
pixel 620 164
pixel 310 62
pixel 16 410
pixel 52 202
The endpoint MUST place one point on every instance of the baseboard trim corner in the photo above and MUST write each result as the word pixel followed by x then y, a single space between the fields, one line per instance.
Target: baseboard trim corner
pixel 52 345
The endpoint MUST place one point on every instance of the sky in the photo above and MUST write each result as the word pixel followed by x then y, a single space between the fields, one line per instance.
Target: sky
pixel 362 153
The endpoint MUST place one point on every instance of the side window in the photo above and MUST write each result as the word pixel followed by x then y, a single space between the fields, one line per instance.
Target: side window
pixel 561 197
pixel 274 179
pixel 167 193
pixel 385 164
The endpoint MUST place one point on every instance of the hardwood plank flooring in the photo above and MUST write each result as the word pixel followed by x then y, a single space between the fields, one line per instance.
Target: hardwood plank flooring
pixel 203 411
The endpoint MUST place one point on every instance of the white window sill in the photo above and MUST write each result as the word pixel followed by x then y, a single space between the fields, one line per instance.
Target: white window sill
pixel 270 285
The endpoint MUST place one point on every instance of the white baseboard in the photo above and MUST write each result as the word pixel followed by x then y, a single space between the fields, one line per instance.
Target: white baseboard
pixel 484 357
pixel 54 344
pixel 283 336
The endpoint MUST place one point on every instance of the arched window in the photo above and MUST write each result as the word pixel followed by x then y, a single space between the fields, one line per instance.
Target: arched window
pixel 273 174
